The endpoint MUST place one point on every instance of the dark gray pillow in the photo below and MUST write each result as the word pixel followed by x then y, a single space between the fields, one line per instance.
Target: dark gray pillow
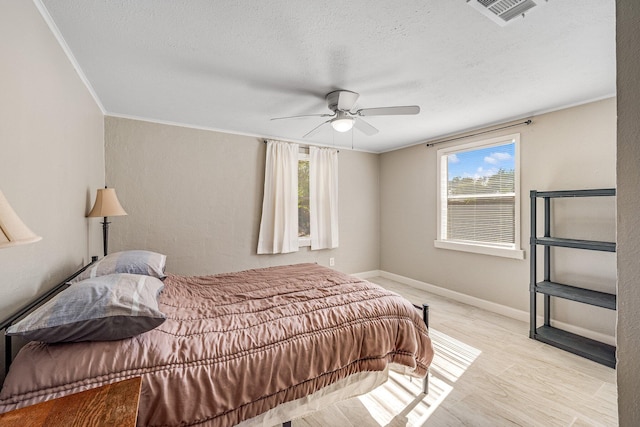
pixel 133 262
pixel 105 308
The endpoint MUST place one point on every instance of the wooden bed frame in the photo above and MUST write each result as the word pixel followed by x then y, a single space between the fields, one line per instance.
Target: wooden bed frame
pixel 37 302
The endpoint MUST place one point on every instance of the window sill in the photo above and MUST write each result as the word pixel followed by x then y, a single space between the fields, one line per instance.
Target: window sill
pixel 304 241
pixel 479 249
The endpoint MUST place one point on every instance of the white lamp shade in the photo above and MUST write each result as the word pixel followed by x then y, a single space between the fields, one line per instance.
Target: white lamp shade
pixel 12 230
pixel 106 204
pixel 342 125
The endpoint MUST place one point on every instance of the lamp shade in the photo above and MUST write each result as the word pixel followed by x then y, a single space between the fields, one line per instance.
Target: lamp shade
pixel 106 204
pixel 12 230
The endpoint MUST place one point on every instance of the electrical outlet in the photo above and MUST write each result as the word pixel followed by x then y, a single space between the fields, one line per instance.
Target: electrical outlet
pixel 332 262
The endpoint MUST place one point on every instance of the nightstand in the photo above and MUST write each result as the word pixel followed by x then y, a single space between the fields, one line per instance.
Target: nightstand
pixel 110 405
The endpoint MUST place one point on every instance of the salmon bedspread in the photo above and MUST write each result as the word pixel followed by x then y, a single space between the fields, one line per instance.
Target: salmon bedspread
pixel 236 345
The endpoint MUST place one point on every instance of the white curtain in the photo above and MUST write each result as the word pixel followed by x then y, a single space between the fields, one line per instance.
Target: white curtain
pixel 323 197
pixel 279 224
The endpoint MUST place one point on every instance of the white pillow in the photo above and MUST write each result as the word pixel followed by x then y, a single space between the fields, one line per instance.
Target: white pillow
pixel 105 308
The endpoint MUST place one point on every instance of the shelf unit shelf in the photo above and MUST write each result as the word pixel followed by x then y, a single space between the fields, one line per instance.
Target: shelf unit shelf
pixel 573 293
pixel 604 354
pixel 594 350
pixel 577 193
pixel 576 244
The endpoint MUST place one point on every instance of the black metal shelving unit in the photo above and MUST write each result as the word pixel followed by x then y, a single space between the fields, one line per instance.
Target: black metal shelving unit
pixel 582 346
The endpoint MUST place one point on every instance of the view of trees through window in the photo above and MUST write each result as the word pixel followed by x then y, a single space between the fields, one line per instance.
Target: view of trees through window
pixel 500 182
pixel 304 225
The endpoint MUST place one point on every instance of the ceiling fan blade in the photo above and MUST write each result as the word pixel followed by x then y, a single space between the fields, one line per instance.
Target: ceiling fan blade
pixel 304 115
pixel 364 127
pixel 315 130
pixel 389 111
pixel 347 100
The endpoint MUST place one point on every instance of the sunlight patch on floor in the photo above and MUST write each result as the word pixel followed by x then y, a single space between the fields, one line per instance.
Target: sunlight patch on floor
pixel 400 402
pixel 452 357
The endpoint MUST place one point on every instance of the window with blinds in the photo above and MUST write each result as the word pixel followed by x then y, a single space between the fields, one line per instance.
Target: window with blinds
pixel 478 197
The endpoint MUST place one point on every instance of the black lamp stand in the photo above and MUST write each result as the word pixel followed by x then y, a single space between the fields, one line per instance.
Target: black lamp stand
pixel 105 235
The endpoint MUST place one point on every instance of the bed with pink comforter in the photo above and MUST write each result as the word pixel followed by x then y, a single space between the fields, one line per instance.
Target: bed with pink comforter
pixel 237 345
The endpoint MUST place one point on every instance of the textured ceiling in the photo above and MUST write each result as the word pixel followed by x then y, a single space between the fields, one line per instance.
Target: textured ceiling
pixel 231 65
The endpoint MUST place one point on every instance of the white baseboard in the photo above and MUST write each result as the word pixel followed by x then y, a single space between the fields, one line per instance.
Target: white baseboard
pixel 490 306
pixel 368 274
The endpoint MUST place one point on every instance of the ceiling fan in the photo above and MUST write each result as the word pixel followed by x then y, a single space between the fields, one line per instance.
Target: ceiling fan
pixel 341 102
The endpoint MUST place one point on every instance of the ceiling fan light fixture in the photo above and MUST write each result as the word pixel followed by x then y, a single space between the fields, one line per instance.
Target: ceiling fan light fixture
pixel 346 116
pixel 343 124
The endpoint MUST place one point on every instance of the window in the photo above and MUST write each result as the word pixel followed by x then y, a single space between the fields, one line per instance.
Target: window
pixel 300 199
pixel 304 219
pixel 478 197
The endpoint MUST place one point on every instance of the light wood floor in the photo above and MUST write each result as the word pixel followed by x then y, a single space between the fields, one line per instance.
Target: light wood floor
pixel 486 372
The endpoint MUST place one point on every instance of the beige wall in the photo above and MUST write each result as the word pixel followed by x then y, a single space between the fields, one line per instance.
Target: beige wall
pixel 568 149
pixel 196 196
pixel 628 63
pixel 52 155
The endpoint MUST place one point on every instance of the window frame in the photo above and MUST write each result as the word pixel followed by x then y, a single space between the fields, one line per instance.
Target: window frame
pixel 502 250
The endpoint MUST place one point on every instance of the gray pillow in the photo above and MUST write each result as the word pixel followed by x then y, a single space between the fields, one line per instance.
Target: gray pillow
pixel 104 308
pixel 134 262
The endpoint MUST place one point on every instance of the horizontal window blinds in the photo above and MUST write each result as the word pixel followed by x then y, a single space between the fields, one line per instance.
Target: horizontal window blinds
pixel 482 219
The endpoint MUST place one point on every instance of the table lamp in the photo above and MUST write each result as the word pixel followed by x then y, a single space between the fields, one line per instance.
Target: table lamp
pixel 106 205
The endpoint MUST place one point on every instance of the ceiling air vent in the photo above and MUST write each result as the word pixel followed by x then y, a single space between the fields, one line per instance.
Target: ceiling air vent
pixel 503 11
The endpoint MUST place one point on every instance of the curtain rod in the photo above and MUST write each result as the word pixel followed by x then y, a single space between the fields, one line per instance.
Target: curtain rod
pixel 431 144
pixel 307 145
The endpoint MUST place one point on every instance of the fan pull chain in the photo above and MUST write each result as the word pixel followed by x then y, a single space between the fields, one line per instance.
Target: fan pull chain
pixel 351 139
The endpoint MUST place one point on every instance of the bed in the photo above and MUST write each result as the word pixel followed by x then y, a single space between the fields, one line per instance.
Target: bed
pixel 257 347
